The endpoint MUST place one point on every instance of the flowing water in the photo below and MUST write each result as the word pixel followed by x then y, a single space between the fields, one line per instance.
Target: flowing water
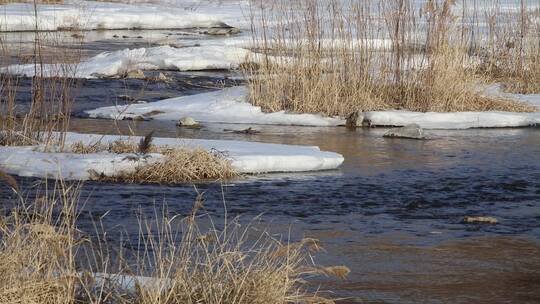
pixel 393 212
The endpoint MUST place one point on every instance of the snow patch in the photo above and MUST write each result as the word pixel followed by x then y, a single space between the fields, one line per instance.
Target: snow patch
pixel 230 106
pixel 90 15
pixel 117 63
pixel 497 90
pixel 456 120
pixel 29 161
pixel 224 106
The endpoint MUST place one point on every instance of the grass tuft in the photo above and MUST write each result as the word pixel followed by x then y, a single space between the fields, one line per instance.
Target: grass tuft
pixel 146 143
pixel 179 164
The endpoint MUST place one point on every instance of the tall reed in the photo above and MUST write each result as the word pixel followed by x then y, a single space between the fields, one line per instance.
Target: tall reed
pixel 46 258
pixel 49 107
pixel 337 57
pixel 512 52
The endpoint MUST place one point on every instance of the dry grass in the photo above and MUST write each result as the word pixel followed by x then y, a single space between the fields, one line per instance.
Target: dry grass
pixel 512 48
pixel 40 260
pixel 49 107
pixel 117 146
pixel 212 267
pixel 51 98
pixel 179 165
pixel 323 58
pixel 37 250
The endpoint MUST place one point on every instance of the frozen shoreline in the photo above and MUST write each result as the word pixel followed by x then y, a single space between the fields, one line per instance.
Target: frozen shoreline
pixel 449 121
pixel 119 63
pixel 230 106
pixel 245 157
pixel 224 106
pixel 91 15
pixel 463 120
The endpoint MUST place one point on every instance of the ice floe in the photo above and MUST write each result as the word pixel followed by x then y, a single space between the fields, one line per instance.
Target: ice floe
pixel 245 157
pixel 224 106
pixel 454 120
pixel 193 55
pixel 121 62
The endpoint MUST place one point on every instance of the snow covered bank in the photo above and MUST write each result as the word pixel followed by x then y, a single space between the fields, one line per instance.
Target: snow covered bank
pixel 121 62
pixel 90 15
pixel 225 106
pixel 31 162
pixel 246 41
pixel 462 120
pixel 455 120
pixel 245 157
pixel 229 106
pixel 195 55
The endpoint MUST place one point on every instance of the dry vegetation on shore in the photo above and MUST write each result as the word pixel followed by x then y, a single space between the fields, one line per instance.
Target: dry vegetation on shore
pixel 46 259
pixel 179 165
pixel 48 109
pixel 375 55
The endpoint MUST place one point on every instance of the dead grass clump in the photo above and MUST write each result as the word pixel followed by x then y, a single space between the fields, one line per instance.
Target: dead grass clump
pixel 181 165
pixel 446 85
pixel 9 180
pixel 117 146
pixel 14 138
pixel 37 251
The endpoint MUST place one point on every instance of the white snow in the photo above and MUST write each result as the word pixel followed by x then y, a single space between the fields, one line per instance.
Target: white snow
pixel 120 62
pixel 229 106
pixel 224 106
pixel 245 157
pixel 455 120
pixel 195 55
pixel 129 282
pixel 30 161
pixel 498 91
pixel 462 120
pixel 90 15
